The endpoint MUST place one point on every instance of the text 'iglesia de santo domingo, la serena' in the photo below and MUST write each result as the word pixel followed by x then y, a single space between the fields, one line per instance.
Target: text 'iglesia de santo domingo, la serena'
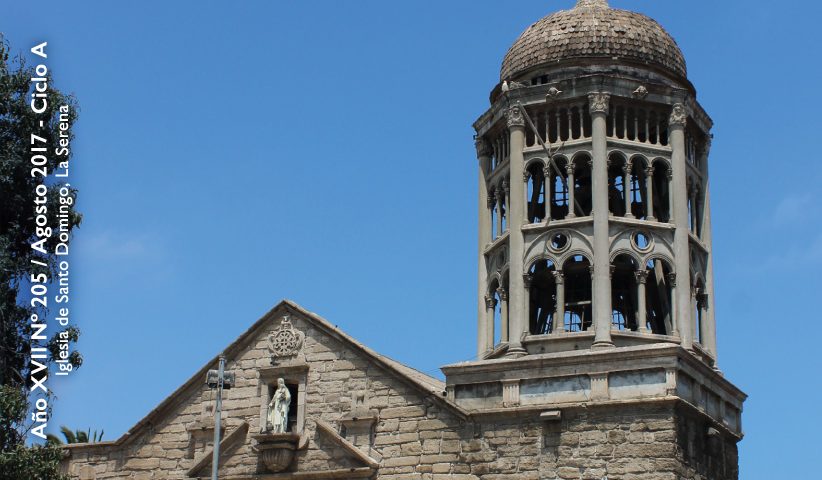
pixel 596 342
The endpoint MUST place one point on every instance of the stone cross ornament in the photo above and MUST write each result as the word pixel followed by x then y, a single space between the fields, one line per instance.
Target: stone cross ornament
pixel 285 341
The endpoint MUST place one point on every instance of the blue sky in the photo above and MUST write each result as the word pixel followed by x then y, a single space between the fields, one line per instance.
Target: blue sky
pixel 231 155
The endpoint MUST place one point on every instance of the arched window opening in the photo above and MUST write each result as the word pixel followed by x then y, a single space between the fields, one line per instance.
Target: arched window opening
pixel 576 122
pixel 636 189
pixel 582 201
pixel 497 316
pixel 616 185
pixel 624 293
pixel 492 210
pixel 536 193
pixel 542 297
pixel 659 295
pixel 558 183
pixel 699 299
pixel 577 277
pixel 661 192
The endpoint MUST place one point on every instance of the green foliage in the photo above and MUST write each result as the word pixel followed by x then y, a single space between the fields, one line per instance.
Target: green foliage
pixel 17 187
pixel 75 436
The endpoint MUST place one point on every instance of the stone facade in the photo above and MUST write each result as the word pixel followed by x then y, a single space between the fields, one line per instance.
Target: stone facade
pixel 366 416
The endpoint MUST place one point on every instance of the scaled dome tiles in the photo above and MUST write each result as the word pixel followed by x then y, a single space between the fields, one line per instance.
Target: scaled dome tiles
pixel 593 31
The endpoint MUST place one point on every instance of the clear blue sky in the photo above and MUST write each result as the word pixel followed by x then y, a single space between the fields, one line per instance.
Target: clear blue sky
pixel 231 155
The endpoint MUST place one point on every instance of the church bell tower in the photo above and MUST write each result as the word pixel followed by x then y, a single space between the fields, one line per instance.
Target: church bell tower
pixel 595 264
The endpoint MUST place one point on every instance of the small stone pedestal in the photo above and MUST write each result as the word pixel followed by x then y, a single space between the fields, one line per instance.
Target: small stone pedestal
pixel 277 449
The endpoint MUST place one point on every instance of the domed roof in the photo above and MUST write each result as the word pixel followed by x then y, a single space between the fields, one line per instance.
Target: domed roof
pixel 593 30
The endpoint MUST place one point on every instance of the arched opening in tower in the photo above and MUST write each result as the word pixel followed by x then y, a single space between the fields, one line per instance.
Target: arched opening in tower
pixel 582 185
pixel 577 283
pixel 637 187
pixel 661 191
pixel 624 293
pixel 536 193
pixel 558 183
pixel 542 297
pixel 659 295
pixel 617 168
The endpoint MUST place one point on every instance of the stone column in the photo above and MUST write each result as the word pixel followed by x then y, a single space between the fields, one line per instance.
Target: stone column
pixel 649 189
pixel 503 323
pixel 694 316
pixel 678 187
pixel 701 305
pixel 569 169
pixel 641 314
pixel 559 313
pixel 484 238
pixel 490 306
pixel 710 333
pixel 500 196
pixel 548 175
pixel 598 104
pixel 626 188
pixel 517 300
pixel 506 188
pixel 674 302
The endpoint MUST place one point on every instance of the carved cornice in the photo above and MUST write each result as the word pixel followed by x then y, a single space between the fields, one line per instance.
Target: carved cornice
pixel 679 116
pixel 483 148
pixel 514 117
pixel 598 102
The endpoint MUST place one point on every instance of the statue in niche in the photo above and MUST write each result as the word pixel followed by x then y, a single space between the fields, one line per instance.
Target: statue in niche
pixel 278 407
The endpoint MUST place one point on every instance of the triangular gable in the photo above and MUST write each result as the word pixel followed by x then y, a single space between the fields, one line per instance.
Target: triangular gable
pixel 427 386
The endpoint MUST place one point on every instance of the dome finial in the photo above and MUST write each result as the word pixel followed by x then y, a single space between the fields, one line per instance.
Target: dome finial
pixel 592 3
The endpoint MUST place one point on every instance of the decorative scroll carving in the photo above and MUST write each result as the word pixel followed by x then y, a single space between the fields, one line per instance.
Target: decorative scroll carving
pixel 286 341
pixel 598 102
pixel 514 117
pixel 483 148
pixel 679 116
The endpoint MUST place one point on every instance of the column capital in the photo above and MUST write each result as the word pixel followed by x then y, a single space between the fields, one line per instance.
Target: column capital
pixel 559 277
pixel 679 116
pixel 591 269
pixel 598 102
pixel 626 169
pixel 547 172
pixel 514 117
pixel 569 169
pixel 492 199
pixel 505 187
pixel 672 279
pixel 503 294
pixel 649 171
pixel 527 278
pixel 490 302
pixel 670 174
pixel 641 276
pixel 484 148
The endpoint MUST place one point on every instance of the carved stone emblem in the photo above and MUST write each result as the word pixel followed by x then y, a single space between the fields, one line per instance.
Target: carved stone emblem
pixel 285 341
pixel 514 117
pixel 678 115
pixel 598 102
